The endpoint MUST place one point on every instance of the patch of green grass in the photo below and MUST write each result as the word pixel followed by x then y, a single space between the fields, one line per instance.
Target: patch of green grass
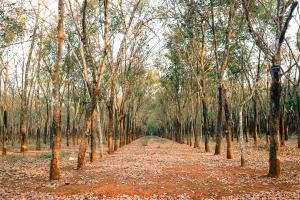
pixel 13 158
pixel 65 154
pixel 46 155
pixel 150 137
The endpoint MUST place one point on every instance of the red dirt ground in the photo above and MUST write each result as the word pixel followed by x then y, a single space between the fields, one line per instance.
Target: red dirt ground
pixel 154 168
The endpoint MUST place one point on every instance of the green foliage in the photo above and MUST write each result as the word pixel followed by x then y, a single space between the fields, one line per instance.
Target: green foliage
pixel 13 19
pixel 151 137
pixel 47 155
pixel 292 102
pixel 64 154
pixel 151 125
pixel 14 158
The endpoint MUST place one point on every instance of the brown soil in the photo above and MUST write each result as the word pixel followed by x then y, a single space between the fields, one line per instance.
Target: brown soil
pixel 154 166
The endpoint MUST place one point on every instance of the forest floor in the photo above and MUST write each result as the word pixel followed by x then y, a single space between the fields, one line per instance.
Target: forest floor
pixel 153 168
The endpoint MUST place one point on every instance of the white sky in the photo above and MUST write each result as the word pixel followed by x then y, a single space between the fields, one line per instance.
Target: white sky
pixel 48 15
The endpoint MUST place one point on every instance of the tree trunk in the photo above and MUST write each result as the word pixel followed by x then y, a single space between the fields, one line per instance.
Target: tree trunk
pixel 222 68
pixel 274 156
pixel 116 131
pixel 286 128
pixel 267 130
pixel 95 90
pixel 281 129
pixel 24 99
pixel 56 126
pixel 93 156
pixel 219 122
pixel 5 113
pixel 122 128
pixel 255 106
pixel 46 124
pixel 74 132
pixel 37 101
pixel 228 127
pixel 242 146
pixel 102 154
pixel 197 124
pixel 38 139
pixel 298 127
pixel 90 114
pixel 68 129
pixel 110 124
pixel 246 127
pixel 205 124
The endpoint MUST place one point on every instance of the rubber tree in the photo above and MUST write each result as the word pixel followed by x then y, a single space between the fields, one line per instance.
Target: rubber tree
pixel 56 79
pixel 275 57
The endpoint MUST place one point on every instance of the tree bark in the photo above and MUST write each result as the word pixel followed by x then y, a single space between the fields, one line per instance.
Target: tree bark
pixel 298 129
pixel 241 140
pixel 267 129
pixel 219 122
pixel 228 127
pixel 24 99
pixel 222 68
pixel 68 129
pixel 5 113
pixel 197 124
pixel 274 156
pixel 110 108
pixel 255 106
pixel 281 128
pixel 90 114
pixel 56 125
pixel 93 156
pixel 46 124
pixel 275 89
pixel 116 130
pixel 38 139
pixel 102 154
pixel 95 90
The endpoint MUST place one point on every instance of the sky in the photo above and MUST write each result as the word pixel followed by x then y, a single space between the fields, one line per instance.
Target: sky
pixel 49 17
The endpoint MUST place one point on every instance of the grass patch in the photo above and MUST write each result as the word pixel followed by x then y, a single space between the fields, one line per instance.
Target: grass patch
pixel 16 158
pixel 47 155
pixel 13 158
pixel 148 137
pixel 156 138
pixel 64 154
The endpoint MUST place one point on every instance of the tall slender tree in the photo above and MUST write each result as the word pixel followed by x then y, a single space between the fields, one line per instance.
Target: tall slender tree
pixel 56 80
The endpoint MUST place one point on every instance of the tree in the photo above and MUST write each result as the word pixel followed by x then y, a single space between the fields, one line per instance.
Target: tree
pixel 221 88
pixel 94 86
pixel 56 124
pixel 5 109
pixel 25 94
pixel 275 90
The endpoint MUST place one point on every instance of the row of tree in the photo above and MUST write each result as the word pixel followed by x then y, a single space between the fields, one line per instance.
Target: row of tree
pixel 231 69
pixel 82 82
pixel 228 67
